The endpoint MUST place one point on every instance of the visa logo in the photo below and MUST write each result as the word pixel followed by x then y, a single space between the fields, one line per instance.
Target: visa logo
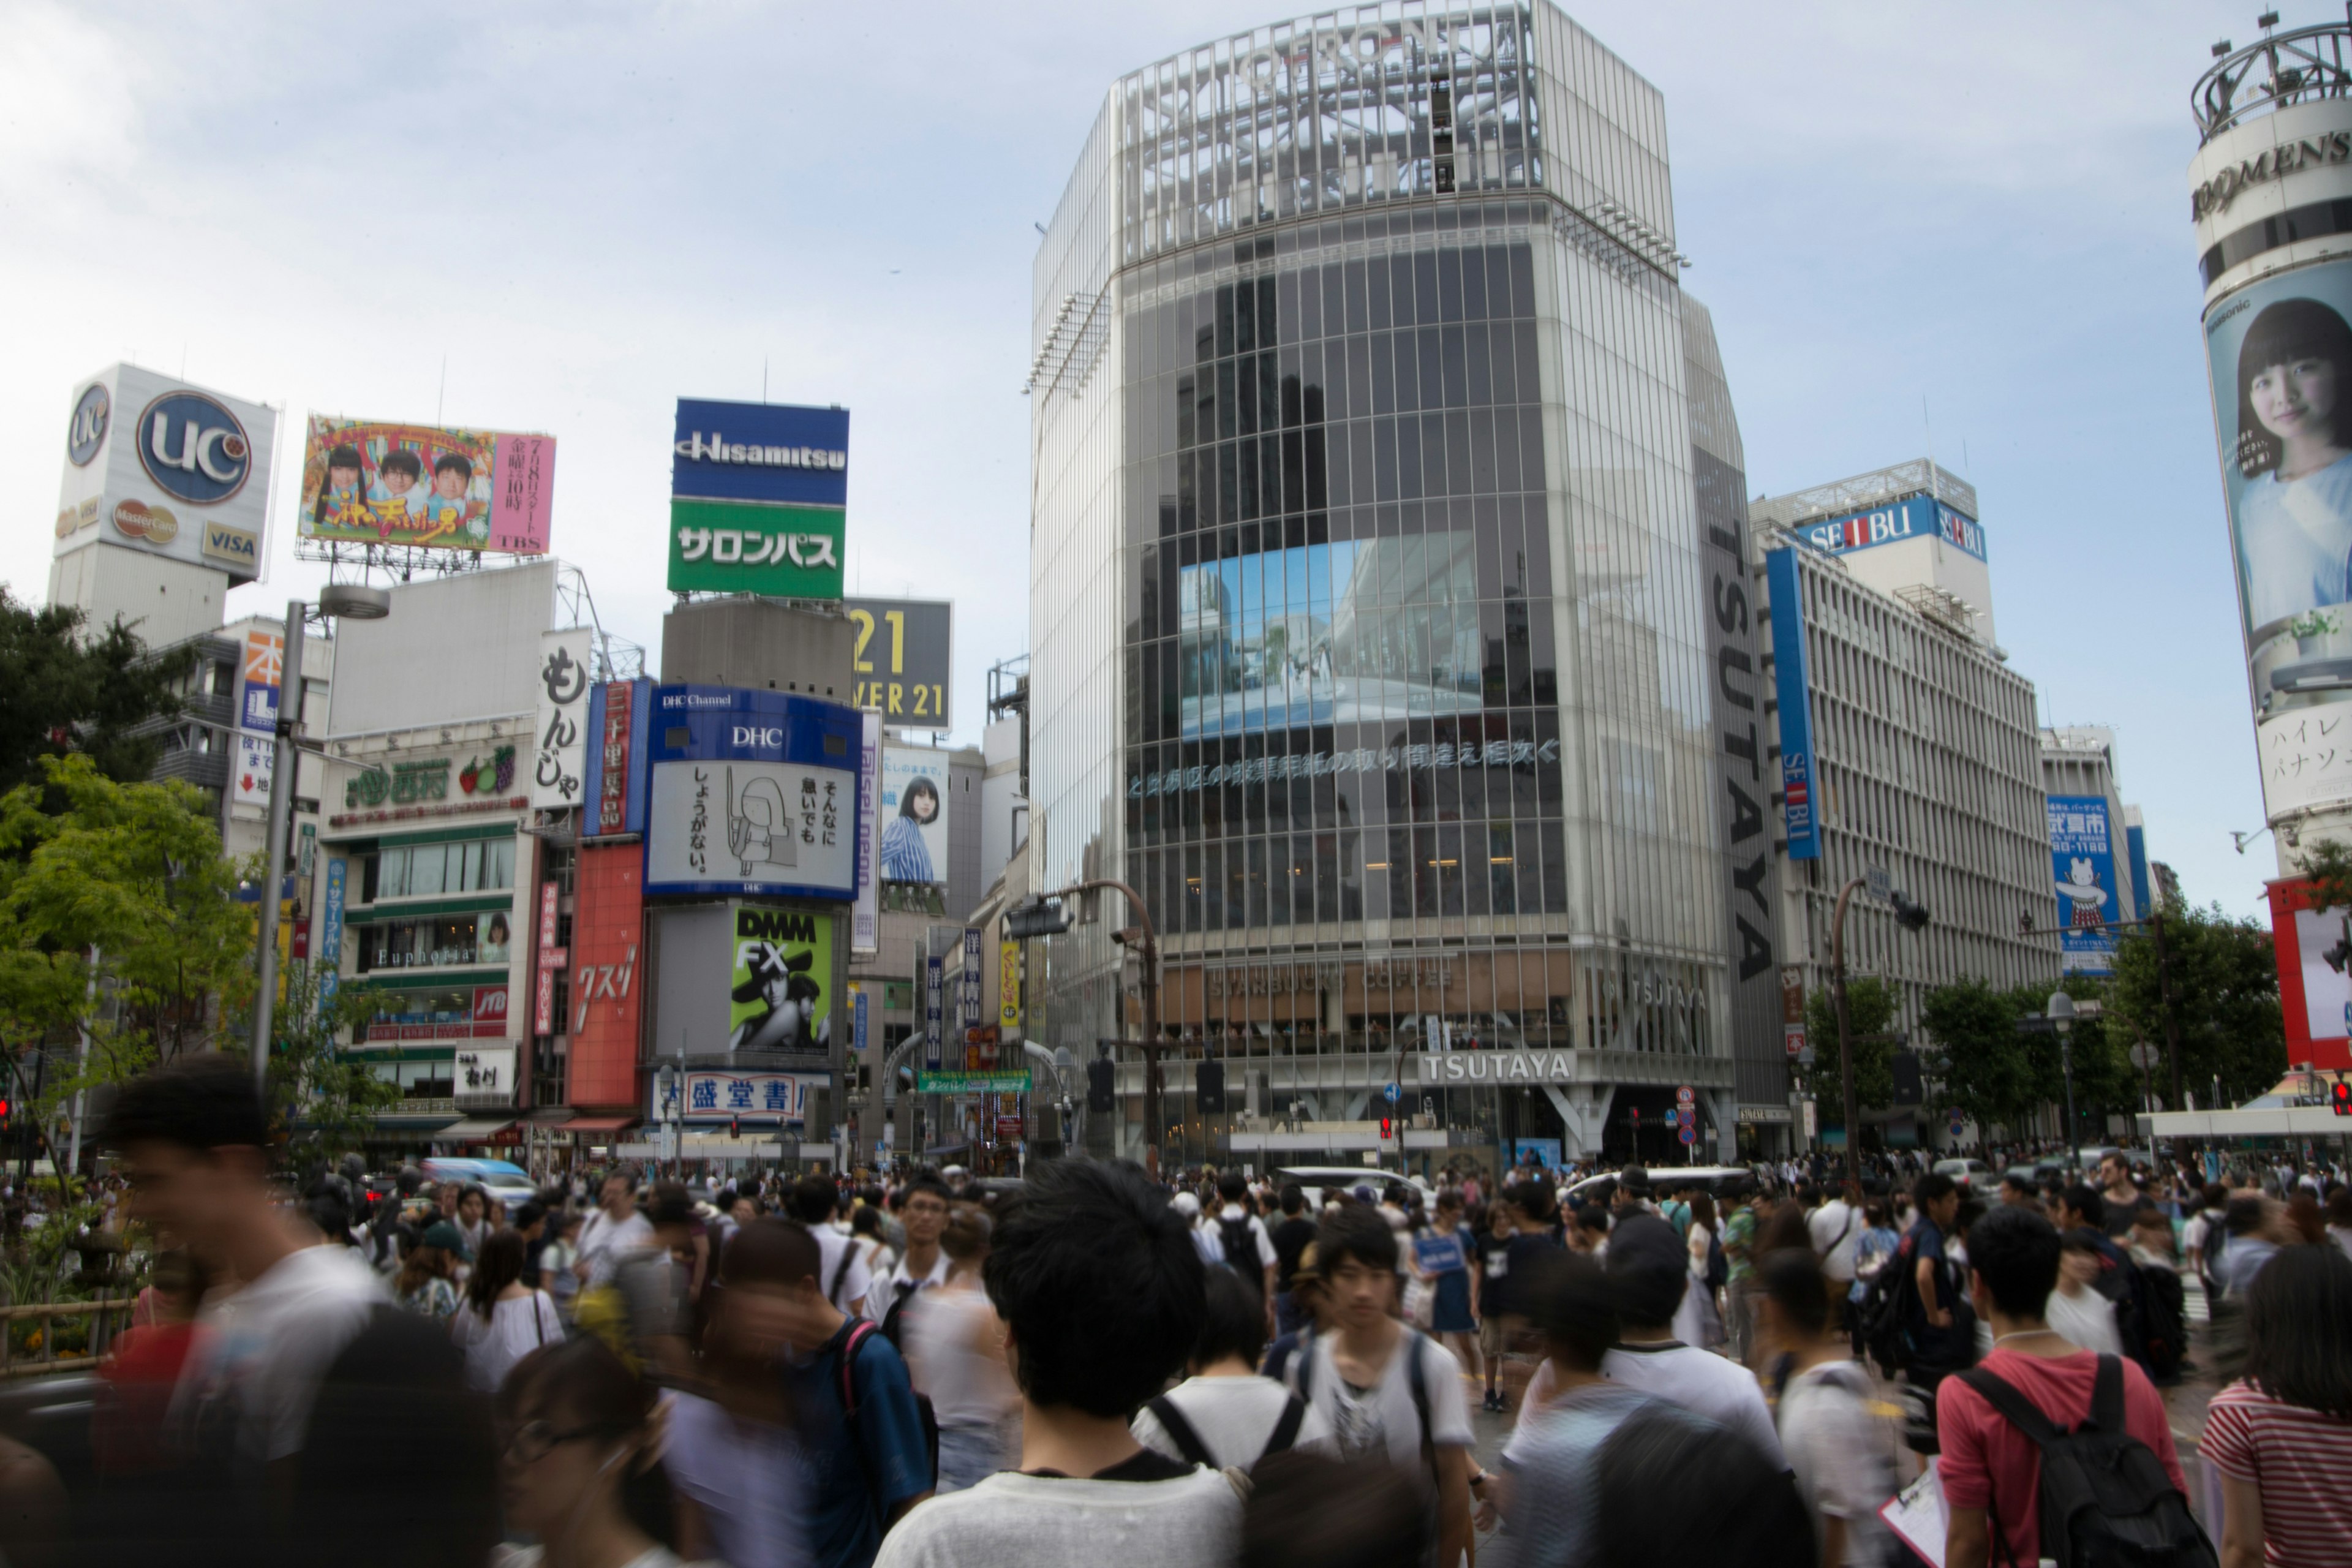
pixel 238 546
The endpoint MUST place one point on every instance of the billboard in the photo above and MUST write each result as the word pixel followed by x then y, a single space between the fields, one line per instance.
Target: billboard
pixel 1792 685
pixel 903 659
pixel 751 792
pixel 258 677
pixel 2082 858
pixel 914 815
pixel 388 482
pixel 783 970
pixel 613 776
pixel 757 1097
pixel 738 547
pixel 607 931
pixel 1914 517
pixel 561 728
pixel 2277 350
pixel 865 914
pixel 2315 998
pixel 160 465
pixel 777 453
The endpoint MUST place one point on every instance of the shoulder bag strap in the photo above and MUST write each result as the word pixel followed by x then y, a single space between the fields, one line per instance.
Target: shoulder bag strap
pixel 841 1271
pixel 1179 1431
pixel 1286 1431
pixel 859 1333
pixel 2021 1412
pixel 2107 1396
pixel 1418 1383
pixel 1304 1356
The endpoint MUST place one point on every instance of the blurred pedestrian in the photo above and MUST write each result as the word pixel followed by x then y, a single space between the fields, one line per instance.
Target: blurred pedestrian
pixel 1440 1260
pixel 732 1453
pixel 2281 1435
pixel 955 1356
pixel 503 1319
pixel 1940 1335
pixel 582 1467
pixel 923 1205
pixel 1226 1413
pixel 1649 1267
pixel 1841 1453
pixel 426 1284
pixel 1101 1291
pixel 1698 1320
pixel 1307 1509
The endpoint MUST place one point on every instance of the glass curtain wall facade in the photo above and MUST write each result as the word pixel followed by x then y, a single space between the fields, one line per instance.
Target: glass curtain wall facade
pixel 1368 618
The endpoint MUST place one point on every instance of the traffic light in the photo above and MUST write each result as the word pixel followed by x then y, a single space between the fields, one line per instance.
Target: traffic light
pixel 1388 1128
pixel 1209 1085
pixel 2339 1096
pixel 1102 1092
pixel 1038 916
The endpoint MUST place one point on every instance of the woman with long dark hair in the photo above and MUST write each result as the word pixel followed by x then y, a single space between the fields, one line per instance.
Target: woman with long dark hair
pixel 905 857
pixel 1698 1321
pixel 582 1470
pixel 2294 450
pixel 503 1320
pixel 2281 1435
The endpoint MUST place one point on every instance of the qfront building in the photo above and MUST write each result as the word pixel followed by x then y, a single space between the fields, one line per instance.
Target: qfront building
pixel 1371 622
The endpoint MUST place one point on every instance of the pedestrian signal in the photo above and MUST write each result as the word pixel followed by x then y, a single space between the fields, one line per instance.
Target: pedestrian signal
pixel 2340 1097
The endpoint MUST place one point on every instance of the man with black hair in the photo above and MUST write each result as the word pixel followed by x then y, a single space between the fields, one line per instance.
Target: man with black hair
pixel 1649 1269
pixel 1226 1413
pixel 614 1230
pixel 1392 1394
pixel 1939 1332
pixel 2106 1268
pixel 812 1203
pixel 1990 1469
pixel 923 1214
pixel 1839 1450
pixel 193 1142
pixel 1291 1237
pixel 1237 1238
pixel 1101 1294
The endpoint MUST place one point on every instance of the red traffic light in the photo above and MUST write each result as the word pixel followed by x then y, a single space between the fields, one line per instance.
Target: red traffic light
pixel 1388 1127
pixel 2340 1097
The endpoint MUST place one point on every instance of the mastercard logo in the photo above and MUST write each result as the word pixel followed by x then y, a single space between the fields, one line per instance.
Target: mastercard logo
pixel 137 519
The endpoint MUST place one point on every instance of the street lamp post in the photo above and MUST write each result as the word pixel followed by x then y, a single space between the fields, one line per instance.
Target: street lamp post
pixel 1145 941
pixel 2061 1014
pixel 1910 917
pixel 350 600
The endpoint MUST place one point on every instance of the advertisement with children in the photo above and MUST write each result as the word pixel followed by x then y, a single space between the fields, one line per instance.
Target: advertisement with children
pixel 379 481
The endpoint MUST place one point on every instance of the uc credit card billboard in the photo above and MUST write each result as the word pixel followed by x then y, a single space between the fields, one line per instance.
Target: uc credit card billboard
pixel 757 492
pixel 751 792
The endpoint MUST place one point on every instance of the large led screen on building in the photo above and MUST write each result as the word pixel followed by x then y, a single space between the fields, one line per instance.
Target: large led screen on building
pixel 1324 634
pixel 2280 353
pixel 388 482
pixel 751 792
pixel 2082 858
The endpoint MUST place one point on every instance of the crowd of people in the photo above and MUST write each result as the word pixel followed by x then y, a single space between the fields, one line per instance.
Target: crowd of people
pixel 1091 1365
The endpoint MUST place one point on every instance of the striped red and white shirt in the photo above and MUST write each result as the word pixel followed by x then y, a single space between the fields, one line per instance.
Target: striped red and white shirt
pixel 2301 1462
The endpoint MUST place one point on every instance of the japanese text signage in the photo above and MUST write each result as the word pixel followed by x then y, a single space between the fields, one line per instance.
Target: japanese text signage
pixel 757 493
pixel 968 987
pixel 2082 853
pixel 751 792
pixel 559 733
pixel 2307 756
pixel 759 1097
pixel 865 915
pixel 1792 685
pixel 256 717
pixel 613 775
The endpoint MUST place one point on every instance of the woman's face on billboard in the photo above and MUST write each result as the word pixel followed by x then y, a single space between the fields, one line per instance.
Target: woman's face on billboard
pixel 2296 400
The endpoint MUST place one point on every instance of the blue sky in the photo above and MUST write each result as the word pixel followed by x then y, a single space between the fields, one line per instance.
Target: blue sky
pixel 590 209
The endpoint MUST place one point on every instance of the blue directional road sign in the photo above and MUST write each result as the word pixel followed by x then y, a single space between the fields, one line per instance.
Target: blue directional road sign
pixel 1392 1093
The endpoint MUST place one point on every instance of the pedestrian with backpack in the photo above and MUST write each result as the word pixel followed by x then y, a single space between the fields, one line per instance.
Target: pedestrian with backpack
pixel 1236 1238
pixel 1391 1395
pixel 2049 1451
pixel 1940 1335
pixel 846 1279
pixel 1224 1413
pixel 2280 1437
pixel 865 1455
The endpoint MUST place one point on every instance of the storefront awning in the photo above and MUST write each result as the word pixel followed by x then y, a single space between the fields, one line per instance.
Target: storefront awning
pixel 473 1130
pixel 594 1124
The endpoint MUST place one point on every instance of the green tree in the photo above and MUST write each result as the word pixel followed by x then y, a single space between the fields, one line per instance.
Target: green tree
pixel 1870 1012
pixel 67 692
pixel 2223 982
pixel 322 1099
pixel 1975 1054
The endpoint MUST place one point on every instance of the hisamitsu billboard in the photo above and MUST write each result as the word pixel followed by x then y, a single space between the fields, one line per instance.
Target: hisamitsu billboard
pixel 774 452
pixel 1915 517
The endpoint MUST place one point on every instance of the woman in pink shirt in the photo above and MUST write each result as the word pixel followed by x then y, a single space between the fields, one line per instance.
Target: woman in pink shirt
pixel 2282 1434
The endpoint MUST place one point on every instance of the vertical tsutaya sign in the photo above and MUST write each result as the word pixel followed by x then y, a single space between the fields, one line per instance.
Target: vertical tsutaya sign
pixel 257 717
pixel 1747 847
pixel 757 492
pixel 2082 856
pixel 561 738
pixel 866 911
pixel 1792 685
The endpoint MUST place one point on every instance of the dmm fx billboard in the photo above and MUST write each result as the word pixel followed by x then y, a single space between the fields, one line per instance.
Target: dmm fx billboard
pixel 1792 685
pixel 757 493
pixel 903 659
pixel 389 481
pixel 1914 517
pixel 2082 858
pixel 751 792
pixel 156 465
pixel 782 976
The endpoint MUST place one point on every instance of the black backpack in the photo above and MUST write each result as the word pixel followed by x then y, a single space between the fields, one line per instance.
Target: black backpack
pixel 1181 1433
pixel 1240 1248
pixel 2106 1500
pixel 1885 1310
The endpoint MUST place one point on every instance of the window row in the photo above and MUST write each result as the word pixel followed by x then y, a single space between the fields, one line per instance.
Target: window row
pixel 427 871
pixel 1472 869
pixel 1478 452
pixel 1369 294
pixel 445 940
pixel 1509 539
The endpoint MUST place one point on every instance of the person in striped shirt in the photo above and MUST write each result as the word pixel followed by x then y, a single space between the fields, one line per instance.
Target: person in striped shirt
pixel 2281 1435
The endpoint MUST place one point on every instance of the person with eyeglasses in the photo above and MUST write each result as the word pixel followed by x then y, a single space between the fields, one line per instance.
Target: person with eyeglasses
pixel 579 1468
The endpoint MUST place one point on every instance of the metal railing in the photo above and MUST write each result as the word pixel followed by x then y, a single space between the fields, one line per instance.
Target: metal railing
pixel 2287 68
pixel 106 1318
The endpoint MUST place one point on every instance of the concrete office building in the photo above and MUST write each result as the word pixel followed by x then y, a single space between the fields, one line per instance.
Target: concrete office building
pixel 1924 759
pixel 1368 602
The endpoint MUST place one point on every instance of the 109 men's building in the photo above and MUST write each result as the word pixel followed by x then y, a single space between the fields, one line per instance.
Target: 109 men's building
pixel 1372 631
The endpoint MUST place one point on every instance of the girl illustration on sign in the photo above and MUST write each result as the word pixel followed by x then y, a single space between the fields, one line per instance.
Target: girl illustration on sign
pixel 2295 447
pixel 905 857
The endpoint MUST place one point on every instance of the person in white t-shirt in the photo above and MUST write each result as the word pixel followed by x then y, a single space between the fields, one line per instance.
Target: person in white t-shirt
pixel 1235 1237
pixel 613 1231
pixel 1391 1395
pixel 923 1215
pixel 848 1282
pixel 1836 1230
pixel 1100 1291
pixel 502 1319
pixel 955 1358
pixel 1226 1413
pixel 1843 1453
pixel 193 1140
pixel 1649 1267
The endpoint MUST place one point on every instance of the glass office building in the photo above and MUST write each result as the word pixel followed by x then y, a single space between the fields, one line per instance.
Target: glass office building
pixel 1369 613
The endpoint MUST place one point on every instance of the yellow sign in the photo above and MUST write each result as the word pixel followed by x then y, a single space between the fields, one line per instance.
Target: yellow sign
pixel 1008 984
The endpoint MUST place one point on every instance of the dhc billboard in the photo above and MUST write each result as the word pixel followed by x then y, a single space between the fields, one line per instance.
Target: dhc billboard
pixel 751 793
pixel 1915 517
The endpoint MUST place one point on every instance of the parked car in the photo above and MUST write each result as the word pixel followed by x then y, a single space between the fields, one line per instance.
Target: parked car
pixel 1318 1179
pixel 1974 1175
pixel 1717 1181
pixel 508 1182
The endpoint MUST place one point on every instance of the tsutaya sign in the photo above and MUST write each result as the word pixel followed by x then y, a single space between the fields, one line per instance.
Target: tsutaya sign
pixel 1497 1067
